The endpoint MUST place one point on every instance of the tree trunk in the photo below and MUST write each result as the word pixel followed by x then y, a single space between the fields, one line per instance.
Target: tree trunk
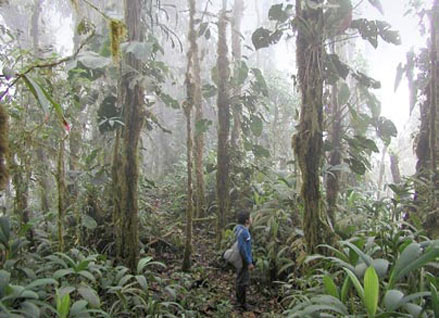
pixel 431 221
pixel 434 104
pixel 381 171
pixel 132 96
pixel 199 135
pixel 238 10
pixel 60 175
pixel 191 83
pixel 223 103
pixel 394 168
pixel 308 142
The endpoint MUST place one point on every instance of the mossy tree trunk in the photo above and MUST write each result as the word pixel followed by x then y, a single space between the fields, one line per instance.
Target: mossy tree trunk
pixel 132 96
pixel 199 135
pixel 308 142
pixel 191 86
pixel 238 9
pixel 60 175
pixel 430 119
pixel 223 104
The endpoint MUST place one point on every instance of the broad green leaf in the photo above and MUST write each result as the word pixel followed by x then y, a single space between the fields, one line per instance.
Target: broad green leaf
pixel 356 283
pixel 414 310
pixel 87 275
pixel 411 252
pixel 90 296
pixel 264 38
pixel 312 309
pixel 279 14
pixel 142 281
pixel 386 129
pixel 35 89
pixel 392 299
pixel 360 269
pixel 66 290
pixel 42 282
pixel 345 289
pixel 78 307
pixel 88 222
pixel 366 258
pixel 143 263
pixel 434 299
pixel 62 272
pixel 381 266
pixel 429 255
pixel 330 287
pixel 331 300
pixel 82 266
pixel 30 309
pixel 5 277
pixel 371 291
pixel 45 100
pixel 63 305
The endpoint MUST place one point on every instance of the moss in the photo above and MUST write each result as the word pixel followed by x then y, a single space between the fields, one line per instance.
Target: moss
pixel 117 34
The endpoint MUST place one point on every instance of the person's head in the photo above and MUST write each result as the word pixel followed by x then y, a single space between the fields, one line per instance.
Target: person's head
pixel 244 218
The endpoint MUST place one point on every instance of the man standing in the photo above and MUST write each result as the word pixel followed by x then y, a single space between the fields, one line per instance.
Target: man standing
pixel 245 249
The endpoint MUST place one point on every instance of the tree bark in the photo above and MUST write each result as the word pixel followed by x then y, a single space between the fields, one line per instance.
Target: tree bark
pixel 308 142
pixel 223 103
pixel 60 175
pixel 431 221
pixel 238 10
pixel 199 136
pixel 132 96
pixel 394 168
pixel 191 83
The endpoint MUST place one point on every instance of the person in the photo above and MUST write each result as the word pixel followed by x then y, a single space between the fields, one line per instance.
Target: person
pixel 245 249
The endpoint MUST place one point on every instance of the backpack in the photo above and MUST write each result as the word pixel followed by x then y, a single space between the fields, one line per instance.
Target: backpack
pixel 232 255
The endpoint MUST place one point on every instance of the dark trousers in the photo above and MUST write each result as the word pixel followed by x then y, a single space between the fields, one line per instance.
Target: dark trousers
pixel 242 282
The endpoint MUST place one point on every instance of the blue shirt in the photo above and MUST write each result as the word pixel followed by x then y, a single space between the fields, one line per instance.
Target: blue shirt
pixel 244 243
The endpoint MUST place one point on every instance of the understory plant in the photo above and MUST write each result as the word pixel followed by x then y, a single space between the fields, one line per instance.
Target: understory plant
pixel 387 272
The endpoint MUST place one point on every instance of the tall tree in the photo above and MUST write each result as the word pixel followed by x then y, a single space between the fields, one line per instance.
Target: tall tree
pixel 308 141
pixel 132 96
pixel 428 145
pixel 190 89
pixel 238 10
pixel 199 133
pixel 223 104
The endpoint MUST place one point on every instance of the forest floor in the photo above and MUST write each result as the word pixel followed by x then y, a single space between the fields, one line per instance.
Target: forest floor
pixel 214 281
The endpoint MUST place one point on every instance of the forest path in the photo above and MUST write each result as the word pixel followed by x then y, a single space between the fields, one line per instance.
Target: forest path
pixel 214 281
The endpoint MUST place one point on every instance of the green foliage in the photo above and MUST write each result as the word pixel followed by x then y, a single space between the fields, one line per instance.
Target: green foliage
pixel 389 263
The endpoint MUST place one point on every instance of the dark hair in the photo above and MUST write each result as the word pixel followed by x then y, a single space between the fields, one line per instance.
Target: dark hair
pixel 243 217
